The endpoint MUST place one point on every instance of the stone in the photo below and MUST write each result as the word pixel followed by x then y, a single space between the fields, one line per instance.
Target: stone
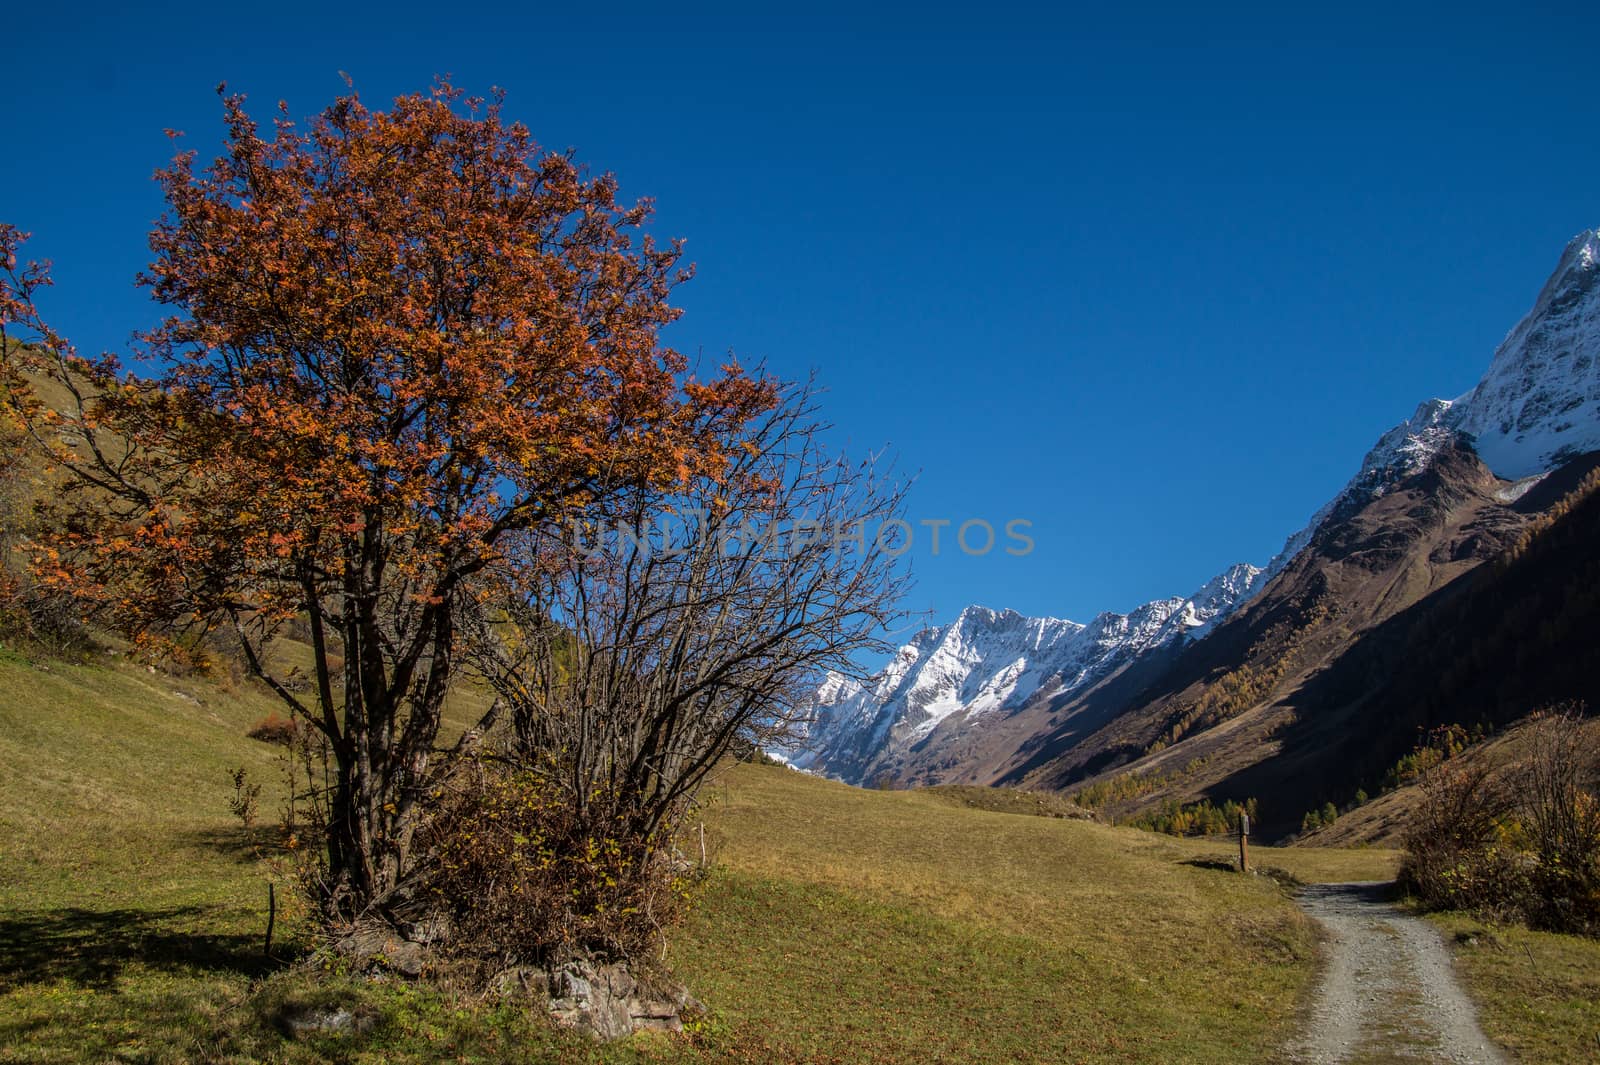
pixel 608 1003
pixel 429 930
pixel 377 947
pixel 299 1022
pixel 405 957
pixel 522 981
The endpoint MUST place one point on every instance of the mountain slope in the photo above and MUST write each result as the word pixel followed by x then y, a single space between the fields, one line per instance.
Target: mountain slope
pixel 1435 605
pixel 1539 403
pixel 1537 406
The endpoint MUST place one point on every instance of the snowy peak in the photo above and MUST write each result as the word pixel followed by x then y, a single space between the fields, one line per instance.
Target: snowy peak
pixel 974 665
pixel 1539 403
pixel 1537 406
pixel 1218 598
pixel 995 661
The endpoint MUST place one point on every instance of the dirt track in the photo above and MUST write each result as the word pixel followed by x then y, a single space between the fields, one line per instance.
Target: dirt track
pixel 1388 992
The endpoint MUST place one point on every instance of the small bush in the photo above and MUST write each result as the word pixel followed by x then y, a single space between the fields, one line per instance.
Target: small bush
pixel 245 802
pixel 275 730
pixel 1452 855
pixel 519 870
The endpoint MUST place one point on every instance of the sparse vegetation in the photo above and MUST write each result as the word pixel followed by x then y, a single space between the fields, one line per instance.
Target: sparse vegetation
pixel 1120 788
pixel 1267 662
pixel 1513 843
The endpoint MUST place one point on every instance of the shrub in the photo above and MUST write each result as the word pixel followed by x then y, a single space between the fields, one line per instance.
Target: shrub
pixel 1450 846
pixel 1561 818
pixel 518 869
pixel 1520 845
pixel 245 802
pixel 275 730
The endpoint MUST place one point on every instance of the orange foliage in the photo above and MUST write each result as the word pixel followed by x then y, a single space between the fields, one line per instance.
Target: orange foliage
pixel 395 338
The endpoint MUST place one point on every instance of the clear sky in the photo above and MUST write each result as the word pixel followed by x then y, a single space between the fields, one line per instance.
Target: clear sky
pixel 1152 281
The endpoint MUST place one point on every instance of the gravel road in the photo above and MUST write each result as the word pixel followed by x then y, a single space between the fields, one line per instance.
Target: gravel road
pixel 1388 992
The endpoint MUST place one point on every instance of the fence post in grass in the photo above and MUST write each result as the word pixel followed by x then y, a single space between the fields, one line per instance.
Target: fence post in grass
pixel 1244 843
pixel 272 916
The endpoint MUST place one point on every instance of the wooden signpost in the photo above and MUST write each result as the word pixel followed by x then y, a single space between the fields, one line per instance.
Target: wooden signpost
pixel 1244 843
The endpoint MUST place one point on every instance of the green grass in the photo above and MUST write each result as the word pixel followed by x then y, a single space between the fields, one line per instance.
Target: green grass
pixel 839 924
pixel 116 788
pixel 1538 993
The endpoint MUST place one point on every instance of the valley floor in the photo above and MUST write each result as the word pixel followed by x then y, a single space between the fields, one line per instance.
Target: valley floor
pixel 838 925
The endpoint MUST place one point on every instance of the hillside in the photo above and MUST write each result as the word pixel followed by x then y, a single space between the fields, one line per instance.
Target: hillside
pixel 838 923
pixel 1382 820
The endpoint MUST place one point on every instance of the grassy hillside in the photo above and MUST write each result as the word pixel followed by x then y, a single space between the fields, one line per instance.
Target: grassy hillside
pixel 839 925
pixel 959 934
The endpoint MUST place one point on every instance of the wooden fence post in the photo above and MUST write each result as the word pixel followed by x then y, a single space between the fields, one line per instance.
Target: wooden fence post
pixel 1244 843
pixel 272 916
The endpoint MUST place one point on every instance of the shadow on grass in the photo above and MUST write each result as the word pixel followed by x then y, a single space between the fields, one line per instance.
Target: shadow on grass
pixel 91 947
pixel 237 843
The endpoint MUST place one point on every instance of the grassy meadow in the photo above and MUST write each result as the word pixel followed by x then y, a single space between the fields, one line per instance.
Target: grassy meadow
pixel 836 925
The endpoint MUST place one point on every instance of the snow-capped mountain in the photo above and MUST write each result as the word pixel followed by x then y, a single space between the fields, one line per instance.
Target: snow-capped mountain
pixel 993 661
pixel 1538 405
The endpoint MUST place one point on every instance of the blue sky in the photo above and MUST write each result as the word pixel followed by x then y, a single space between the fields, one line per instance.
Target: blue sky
pixel 1153 282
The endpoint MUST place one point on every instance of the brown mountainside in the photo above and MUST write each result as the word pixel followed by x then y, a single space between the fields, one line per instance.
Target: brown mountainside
pixel 1440 602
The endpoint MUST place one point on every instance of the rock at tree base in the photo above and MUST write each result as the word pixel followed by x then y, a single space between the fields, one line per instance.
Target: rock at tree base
pixel 607 1002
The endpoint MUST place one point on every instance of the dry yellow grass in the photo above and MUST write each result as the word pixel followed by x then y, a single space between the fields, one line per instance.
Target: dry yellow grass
pixel 1104 943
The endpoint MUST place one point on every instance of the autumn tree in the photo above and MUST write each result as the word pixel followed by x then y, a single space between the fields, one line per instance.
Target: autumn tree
pixel 396 341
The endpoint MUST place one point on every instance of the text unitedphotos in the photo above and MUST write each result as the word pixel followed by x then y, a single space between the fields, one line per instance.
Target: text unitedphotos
pixel 890 536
